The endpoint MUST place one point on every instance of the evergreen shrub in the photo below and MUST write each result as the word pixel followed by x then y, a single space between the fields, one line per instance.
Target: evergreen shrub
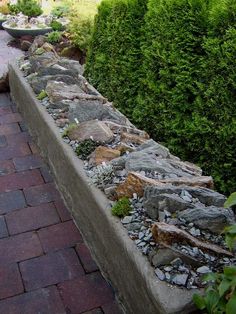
pixel 173 72
pixel 114 58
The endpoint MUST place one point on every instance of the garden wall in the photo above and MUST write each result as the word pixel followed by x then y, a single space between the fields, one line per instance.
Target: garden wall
pixel 130 272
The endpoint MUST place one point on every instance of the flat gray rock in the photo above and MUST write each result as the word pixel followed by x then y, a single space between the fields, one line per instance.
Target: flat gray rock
pixel 205 196
pixel 72 65
pixel 169 202
pixel 143 161
pixel 152 147
pixel 47 59
pixel 95 130
pixel 39 83
pixel 55 70
pixel 91 109
pixel 208 197
pixel 58 91
pixel 210 218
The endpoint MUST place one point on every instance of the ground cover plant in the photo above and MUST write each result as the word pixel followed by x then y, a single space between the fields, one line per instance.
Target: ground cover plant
pixel 171 69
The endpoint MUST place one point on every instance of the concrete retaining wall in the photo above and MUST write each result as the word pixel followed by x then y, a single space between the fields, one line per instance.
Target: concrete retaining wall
pixel 119 259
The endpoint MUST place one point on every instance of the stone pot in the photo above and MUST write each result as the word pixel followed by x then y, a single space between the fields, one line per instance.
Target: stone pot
pixel 19 32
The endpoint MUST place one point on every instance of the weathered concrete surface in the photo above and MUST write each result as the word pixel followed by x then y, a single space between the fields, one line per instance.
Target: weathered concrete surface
pixel 129 271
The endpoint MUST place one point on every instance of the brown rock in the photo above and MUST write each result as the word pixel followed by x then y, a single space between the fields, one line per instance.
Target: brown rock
pixel 134 183
pixel 133 138
pixel 202 181
pixel 48 47
pixel 93 129
pixel 123 147
pixel 103 154
pixel 25 45
pixel 62 122
pixel 168 234
pixel 38 42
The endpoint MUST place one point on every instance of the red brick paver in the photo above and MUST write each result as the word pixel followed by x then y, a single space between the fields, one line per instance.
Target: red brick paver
pixel 45 267
pixel 85 293
pixel 43 301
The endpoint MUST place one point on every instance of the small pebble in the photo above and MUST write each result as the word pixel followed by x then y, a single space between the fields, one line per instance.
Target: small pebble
pixel 203 270
pixel 159 273
pixel 127 220
pixel 180 279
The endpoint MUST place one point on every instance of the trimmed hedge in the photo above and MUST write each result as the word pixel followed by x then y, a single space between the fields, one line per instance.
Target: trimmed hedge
pixel 174 73
pixel 114 58
pixel 219 95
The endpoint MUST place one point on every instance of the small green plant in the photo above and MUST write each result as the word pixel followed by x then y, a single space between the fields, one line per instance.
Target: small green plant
pixel 102 175
pixel 231 201
pixel 220 295
pixel 122 208
pixel 31 8
pixel 80 31
pixel 230 232
pixel 42 95
pixel 230 236
pixel 54 37
pixel 60 11
pixel 85 148
pixel 56 26
pixel 71 127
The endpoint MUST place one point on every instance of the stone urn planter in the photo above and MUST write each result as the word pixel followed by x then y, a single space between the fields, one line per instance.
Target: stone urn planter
pixel 19 32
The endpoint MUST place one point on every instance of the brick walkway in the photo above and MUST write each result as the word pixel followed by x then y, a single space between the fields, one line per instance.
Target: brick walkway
pixel 45 267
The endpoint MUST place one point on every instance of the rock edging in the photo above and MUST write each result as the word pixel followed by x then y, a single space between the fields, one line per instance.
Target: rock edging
pixel 130 273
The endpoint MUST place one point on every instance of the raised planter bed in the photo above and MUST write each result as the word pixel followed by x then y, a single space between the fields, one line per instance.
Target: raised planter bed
pixel 129 272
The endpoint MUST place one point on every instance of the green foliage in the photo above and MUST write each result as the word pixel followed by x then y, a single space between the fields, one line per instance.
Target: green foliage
pixel 173 73
pixel 231 201
pixel 54 37
pixel 220 295
pixel 85 148
pixel 230 236
pixel 230 231
pixel 122 207
pixel 71 127
pixel 114 56
pixel 57 26
pixel 31 8
pixel 80 31
pixel 13 8
pixel 42 95
pixel 60 11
